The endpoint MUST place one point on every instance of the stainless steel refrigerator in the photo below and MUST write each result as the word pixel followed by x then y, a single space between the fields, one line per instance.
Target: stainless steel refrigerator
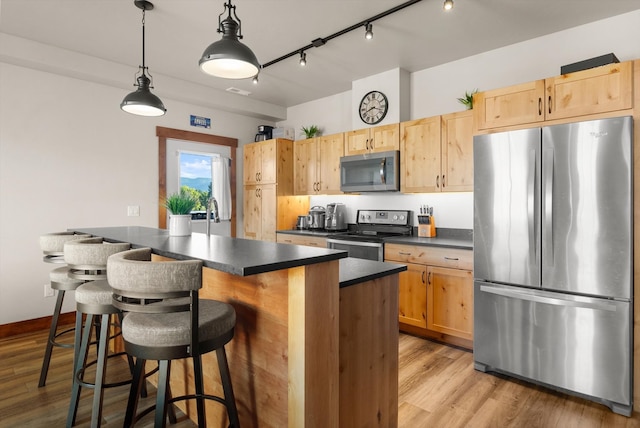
pixel 553 260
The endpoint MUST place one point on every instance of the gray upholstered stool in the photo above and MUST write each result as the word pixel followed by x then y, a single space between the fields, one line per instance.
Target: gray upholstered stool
pixel 179 326
pixel 87 260
pixel 52 246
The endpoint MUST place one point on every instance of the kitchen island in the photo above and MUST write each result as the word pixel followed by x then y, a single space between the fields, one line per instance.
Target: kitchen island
pixel 316 340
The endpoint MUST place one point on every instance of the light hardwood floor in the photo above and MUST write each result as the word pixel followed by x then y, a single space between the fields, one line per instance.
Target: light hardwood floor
pixel 438 388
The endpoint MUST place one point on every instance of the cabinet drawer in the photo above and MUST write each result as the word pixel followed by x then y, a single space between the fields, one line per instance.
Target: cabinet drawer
pixel 434 256
pixel 310 241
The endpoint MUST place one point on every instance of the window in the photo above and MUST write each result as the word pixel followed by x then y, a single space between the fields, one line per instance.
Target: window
pixel 195 176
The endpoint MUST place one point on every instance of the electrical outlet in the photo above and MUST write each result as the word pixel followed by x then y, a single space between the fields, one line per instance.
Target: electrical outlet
pixel 133 210
pixel 48 291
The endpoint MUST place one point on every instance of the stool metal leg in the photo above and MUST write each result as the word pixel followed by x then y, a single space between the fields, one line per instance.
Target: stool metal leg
pixel 98 390
pixel 80 358
pixel 229 397
pixel 197 374
pixel 161 397
pixel 134 392
pixel 52 335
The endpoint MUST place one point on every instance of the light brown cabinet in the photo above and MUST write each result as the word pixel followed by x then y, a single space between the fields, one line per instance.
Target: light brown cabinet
pixel 436 291
pixel 437 154
pixel 310 241
pixel 317 165
pixel 260 162
pixel 450 301
pixel 377 139
pixel 596 90
pixel 269 203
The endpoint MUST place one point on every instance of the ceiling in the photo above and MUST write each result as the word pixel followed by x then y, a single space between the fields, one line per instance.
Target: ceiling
pixel 178 31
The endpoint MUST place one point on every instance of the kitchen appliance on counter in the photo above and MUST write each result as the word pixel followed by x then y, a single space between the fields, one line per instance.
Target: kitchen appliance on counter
pixel 553 264
pixel 316 217
pixel 302 222
pixel 366 239
pixel 336 217
pixel 264 133
pixel 371 172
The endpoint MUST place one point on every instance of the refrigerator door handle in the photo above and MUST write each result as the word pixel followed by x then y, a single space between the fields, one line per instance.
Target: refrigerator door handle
pixel 556 301
pixel 531 205
pixel 548 205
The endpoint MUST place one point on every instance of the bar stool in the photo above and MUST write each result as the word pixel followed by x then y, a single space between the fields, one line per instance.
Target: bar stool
pixel 179 326
pixel 52 246
pixel 87 260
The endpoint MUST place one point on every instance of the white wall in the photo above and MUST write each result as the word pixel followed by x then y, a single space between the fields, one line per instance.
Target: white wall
pixel 435 91
pixel 69 157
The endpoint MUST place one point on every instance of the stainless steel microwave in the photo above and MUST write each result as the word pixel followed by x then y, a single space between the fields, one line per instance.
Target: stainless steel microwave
pixel 371 172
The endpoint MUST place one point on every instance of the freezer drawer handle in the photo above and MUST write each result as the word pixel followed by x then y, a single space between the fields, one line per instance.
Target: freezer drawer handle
pixel 547 300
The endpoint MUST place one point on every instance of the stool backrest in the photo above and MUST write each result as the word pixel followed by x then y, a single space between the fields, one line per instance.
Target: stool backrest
pixel 132 275
pixel 141 285
pixel 91 253
pixel 53 243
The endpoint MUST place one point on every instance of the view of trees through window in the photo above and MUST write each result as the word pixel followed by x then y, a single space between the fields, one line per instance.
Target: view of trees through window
pixel 195 177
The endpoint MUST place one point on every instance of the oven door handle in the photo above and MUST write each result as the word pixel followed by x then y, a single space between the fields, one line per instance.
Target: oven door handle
pixel 355 243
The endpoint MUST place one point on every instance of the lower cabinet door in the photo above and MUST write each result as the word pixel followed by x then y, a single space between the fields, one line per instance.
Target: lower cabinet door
pixel 412 303
pixel 450 301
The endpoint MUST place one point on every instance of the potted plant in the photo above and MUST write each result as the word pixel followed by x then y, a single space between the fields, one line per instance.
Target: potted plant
pixel 311 131
pixel 467 100
pixel 180 205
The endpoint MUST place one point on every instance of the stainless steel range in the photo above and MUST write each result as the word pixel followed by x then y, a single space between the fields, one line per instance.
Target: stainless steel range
pixel 366 239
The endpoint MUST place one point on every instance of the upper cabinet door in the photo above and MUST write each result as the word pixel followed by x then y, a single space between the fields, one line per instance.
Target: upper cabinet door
pixel 356 142
pixel 513 105
pixel 596 90
pixel 252 162
pixel 331 149
pixel 305 166
pixel 420 158
pixel 384 138
pixel 457 152
pixel 268 166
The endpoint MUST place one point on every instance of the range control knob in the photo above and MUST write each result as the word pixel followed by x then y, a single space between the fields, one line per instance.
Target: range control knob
pixel 395 217
pixel 401 217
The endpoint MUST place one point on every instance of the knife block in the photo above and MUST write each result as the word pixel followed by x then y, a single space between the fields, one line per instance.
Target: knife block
pixel 428 228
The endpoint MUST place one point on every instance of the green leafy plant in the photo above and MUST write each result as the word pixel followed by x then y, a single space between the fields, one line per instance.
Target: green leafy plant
pixel 467 100
pixel 310 131
pixel 180 203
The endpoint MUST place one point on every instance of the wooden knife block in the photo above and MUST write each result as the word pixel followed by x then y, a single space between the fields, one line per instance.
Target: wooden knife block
pixel 427 230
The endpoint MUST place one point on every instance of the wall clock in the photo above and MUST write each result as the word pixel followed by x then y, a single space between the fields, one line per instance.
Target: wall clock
pixel 373 107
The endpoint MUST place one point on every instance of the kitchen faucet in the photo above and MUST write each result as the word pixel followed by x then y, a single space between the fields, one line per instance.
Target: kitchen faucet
pixel 216 215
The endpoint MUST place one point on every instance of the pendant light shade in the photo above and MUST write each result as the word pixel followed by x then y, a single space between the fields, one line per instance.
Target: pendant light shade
pixel 141 101
pixel 228 57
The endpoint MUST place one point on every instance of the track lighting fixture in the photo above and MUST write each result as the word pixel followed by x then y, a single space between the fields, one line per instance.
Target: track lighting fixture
pixel 321 41
pixel 368 34
pixel 303 59
pixel 255 79
pixel 228 57
pixel 448 5
pixel 142 102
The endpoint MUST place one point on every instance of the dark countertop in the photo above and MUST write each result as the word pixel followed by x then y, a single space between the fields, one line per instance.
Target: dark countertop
pixel 236 256
pixel 354 271
pixel 460 243
pixel 447 238
pixel 320 233
pixel 243 257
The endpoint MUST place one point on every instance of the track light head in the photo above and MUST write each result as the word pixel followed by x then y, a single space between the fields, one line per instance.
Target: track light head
pixel 368 34
pixel 303 58
pixel 255 79
pixel 448 5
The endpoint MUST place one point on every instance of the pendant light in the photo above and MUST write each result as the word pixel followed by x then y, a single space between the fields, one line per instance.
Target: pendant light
pixel 228 57
pixel 142 102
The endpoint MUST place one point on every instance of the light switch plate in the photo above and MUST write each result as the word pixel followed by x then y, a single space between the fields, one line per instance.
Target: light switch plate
pixel 133 210
pixel 48 291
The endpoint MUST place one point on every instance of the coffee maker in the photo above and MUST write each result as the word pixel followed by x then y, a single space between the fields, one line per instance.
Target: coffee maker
pixel 265 132
pixel 335 218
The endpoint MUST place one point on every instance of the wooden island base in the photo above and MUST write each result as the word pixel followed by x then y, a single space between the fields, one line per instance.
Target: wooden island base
pixel 305 353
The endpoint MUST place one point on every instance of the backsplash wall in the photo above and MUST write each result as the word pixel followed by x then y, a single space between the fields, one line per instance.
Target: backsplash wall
pixel 450 210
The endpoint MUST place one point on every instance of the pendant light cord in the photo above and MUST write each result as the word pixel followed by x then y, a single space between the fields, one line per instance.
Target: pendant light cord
pixel 143 63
